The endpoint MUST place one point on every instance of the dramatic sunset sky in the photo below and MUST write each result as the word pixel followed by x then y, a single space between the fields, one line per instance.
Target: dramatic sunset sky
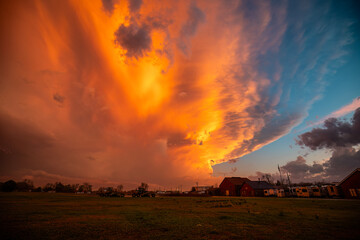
pixel 175 92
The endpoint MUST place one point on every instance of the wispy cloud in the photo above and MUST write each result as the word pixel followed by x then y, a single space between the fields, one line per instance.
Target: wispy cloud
pixel 349 108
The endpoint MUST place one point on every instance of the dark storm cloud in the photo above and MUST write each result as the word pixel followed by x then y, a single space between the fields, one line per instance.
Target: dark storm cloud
pixel 19 141
pixel 135 39
pixel 189 29
pixel 299 168
pixel 135 5
pixel 108 5
pixel 19 133
pixel 336 133
pixel 342 162
pixel 57 97
pixel 338 136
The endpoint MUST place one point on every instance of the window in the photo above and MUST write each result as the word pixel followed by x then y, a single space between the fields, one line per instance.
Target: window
pixel 304 190
pixel 353 192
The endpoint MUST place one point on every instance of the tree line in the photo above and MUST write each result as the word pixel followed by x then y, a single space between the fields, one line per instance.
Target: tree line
pixel 28 186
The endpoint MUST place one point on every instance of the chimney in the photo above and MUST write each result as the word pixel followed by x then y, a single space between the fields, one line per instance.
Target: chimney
pixel 259 180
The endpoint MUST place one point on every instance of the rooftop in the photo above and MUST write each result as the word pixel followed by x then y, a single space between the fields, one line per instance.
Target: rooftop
pixel 237 180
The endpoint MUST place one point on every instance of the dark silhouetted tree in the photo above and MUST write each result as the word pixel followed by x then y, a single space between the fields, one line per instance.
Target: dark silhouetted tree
pixel 87 187
pixel 145 186
pixel 59 187
pixel 25 186
pixel 9 186
pixel 49 187
pixel 119 188
pixel 38 189
pixel 268 178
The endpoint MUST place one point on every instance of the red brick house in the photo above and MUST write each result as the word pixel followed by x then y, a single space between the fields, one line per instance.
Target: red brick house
pixel 231 186
pixel 255 188
pixel 350 185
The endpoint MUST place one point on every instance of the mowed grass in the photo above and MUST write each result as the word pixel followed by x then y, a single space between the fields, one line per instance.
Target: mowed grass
pixel 69 216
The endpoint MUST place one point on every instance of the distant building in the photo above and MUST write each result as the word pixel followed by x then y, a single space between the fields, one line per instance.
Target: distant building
pixel 255 188
pixel 350 185
pixel 201 189
pixel 231 186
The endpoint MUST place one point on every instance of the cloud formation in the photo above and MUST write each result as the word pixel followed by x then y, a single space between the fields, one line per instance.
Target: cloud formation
pixel 336 133
pixel 300 170
pixel 150 95
pixel 189 28
pixel 341 138
pixel 135 5
pixel 134 39
pixel 57 97
pixel 108 5
pixel 340 112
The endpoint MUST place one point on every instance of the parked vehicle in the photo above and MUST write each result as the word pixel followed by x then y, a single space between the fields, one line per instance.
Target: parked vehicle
pixel 280 192
pixel 302 192
pixel 332 191
pixel 315 191
pixel 141 192
pixel 109 192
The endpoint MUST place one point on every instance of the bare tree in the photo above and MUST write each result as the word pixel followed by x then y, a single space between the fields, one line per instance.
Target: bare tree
pixel 144 186
pixel 87 187
pixel 268 178
pixel 119 188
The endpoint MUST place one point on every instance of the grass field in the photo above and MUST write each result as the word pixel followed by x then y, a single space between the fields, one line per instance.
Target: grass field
pixel 68 216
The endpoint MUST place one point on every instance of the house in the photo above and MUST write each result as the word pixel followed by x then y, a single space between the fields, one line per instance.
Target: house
pixel 255 188
pixel 350 185
pixel 231 186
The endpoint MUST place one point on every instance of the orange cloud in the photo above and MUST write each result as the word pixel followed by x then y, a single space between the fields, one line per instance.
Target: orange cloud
pixel 159 93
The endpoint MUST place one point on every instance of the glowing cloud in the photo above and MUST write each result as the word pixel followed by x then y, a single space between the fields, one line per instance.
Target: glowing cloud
pixel 155 91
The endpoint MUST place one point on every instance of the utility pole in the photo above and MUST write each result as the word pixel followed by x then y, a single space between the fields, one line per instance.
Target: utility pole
pixel 281 180
pixel 289 179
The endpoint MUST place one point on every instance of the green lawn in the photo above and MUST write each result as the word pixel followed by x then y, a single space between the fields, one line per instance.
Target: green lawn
pixel 68 216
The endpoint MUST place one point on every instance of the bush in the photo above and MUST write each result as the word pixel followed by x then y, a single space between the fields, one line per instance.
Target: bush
pixel 9 186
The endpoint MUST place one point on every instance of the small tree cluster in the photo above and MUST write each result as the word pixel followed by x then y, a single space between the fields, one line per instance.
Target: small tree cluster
pixel 11 186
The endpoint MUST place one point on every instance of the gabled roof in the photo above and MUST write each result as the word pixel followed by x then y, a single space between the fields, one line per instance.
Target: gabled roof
pixel 236 180
pixel 347 177
pixel 259 185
